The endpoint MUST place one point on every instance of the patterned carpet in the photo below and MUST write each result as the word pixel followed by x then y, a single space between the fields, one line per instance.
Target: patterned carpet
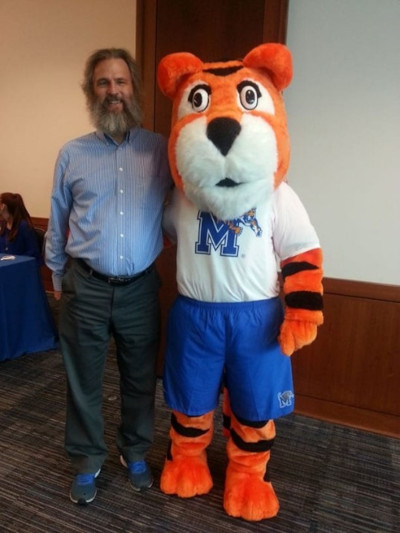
pixel 328 478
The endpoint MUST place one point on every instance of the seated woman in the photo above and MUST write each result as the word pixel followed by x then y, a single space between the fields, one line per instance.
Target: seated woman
pixel 17 235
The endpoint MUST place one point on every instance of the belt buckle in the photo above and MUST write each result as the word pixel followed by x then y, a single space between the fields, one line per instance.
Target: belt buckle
pixel 118 280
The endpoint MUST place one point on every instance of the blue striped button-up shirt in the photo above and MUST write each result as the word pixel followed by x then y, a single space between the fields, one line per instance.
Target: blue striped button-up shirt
pixel 107 202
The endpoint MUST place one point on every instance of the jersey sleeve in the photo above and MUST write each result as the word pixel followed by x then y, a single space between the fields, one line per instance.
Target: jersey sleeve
pixel 293 232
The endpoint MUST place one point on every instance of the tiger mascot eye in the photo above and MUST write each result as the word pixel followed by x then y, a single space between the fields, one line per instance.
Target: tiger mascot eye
pixel 234 218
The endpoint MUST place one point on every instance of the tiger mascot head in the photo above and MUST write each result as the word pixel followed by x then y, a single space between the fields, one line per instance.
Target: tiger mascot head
pixel 229 145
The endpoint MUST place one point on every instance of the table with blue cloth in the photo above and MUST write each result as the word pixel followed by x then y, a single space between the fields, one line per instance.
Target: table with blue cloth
pixel 26 322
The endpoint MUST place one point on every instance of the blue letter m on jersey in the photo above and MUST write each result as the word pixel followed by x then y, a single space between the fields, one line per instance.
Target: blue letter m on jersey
pixel 215 233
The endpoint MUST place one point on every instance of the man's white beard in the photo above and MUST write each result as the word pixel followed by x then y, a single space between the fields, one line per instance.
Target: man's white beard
pixel 110 122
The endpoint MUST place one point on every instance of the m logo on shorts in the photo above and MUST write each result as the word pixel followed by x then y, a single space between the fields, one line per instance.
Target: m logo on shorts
pixel 285 399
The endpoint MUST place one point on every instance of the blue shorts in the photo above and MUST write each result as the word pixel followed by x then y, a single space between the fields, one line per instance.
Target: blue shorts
pixel 232 343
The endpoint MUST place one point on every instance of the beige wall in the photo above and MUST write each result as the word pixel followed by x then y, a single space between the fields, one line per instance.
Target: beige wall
pixel 344 118
pixel 43 47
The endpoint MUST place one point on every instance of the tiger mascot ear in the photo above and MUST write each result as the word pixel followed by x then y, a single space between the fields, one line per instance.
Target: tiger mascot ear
pixel 274 58
pixel 173 68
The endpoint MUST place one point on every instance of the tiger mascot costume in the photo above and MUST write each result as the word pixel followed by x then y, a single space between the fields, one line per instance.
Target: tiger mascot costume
pixel 232 215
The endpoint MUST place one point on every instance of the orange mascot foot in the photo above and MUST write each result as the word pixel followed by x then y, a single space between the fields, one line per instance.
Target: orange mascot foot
pixel 249 497
pixel 186 472
pixel 186 476
pixel 248 493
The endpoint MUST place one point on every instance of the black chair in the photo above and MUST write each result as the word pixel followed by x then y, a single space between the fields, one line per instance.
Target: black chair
pixel 41 238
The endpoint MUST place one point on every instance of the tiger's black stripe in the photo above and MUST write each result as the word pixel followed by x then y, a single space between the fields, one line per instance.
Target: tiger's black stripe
pixel 223 71
pixel 226 421
pixel 255 447
pixel 186 431
pixel 249 423
pixel 304 300
pixel 293 268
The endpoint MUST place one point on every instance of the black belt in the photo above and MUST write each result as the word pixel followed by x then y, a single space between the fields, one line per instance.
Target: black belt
pixel 114 280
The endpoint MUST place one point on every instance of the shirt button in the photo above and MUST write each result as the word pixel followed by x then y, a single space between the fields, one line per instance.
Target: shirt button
pixel 121 169
pixel 121 235
pixel 121 191
pixel 121 212
pixel 121 256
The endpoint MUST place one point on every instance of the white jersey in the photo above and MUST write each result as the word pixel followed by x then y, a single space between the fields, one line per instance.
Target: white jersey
pixel 236 260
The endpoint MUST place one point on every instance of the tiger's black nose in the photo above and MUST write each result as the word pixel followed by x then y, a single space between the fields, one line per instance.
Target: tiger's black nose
pixel 222 132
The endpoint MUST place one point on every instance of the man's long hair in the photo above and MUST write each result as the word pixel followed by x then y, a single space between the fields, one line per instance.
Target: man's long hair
pixel 114 53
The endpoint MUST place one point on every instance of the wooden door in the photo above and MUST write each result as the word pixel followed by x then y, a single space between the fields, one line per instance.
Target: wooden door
pixel 212 30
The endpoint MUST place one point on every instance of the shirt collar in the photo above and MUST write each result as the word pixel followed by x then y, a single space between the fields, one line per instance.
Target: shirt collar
pixel 130 135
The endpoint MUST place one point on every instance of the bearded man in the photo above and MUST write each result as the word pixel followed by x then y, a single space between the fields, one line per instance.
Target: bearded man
pixel 103 237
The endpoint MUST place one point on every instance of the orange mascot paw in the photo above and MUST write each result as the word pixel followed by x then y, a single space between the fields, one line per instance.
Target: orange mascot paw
pixel 186 476
pixel 249 497
pixel 295 334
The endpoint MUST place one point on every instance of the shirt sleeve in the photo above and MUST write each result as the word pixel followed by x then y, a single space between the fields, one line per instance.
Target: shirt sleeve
pixel 57 233
pixel 293 232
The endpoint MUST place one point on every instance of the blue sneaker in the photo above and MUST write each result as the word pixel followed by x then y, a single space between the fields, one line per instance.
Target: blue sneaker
pixel 139 474
pixel 83 490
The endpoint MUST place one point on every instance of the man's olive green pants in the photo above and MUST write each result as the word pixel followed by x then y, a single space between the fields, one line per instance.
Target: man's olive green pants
pixel 91 312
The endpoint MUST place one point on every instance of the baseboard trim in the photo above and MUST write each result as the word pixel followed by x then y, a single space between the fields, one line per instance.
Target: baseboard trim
pixel 40 222
pixel 382 423
pixel 362 289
